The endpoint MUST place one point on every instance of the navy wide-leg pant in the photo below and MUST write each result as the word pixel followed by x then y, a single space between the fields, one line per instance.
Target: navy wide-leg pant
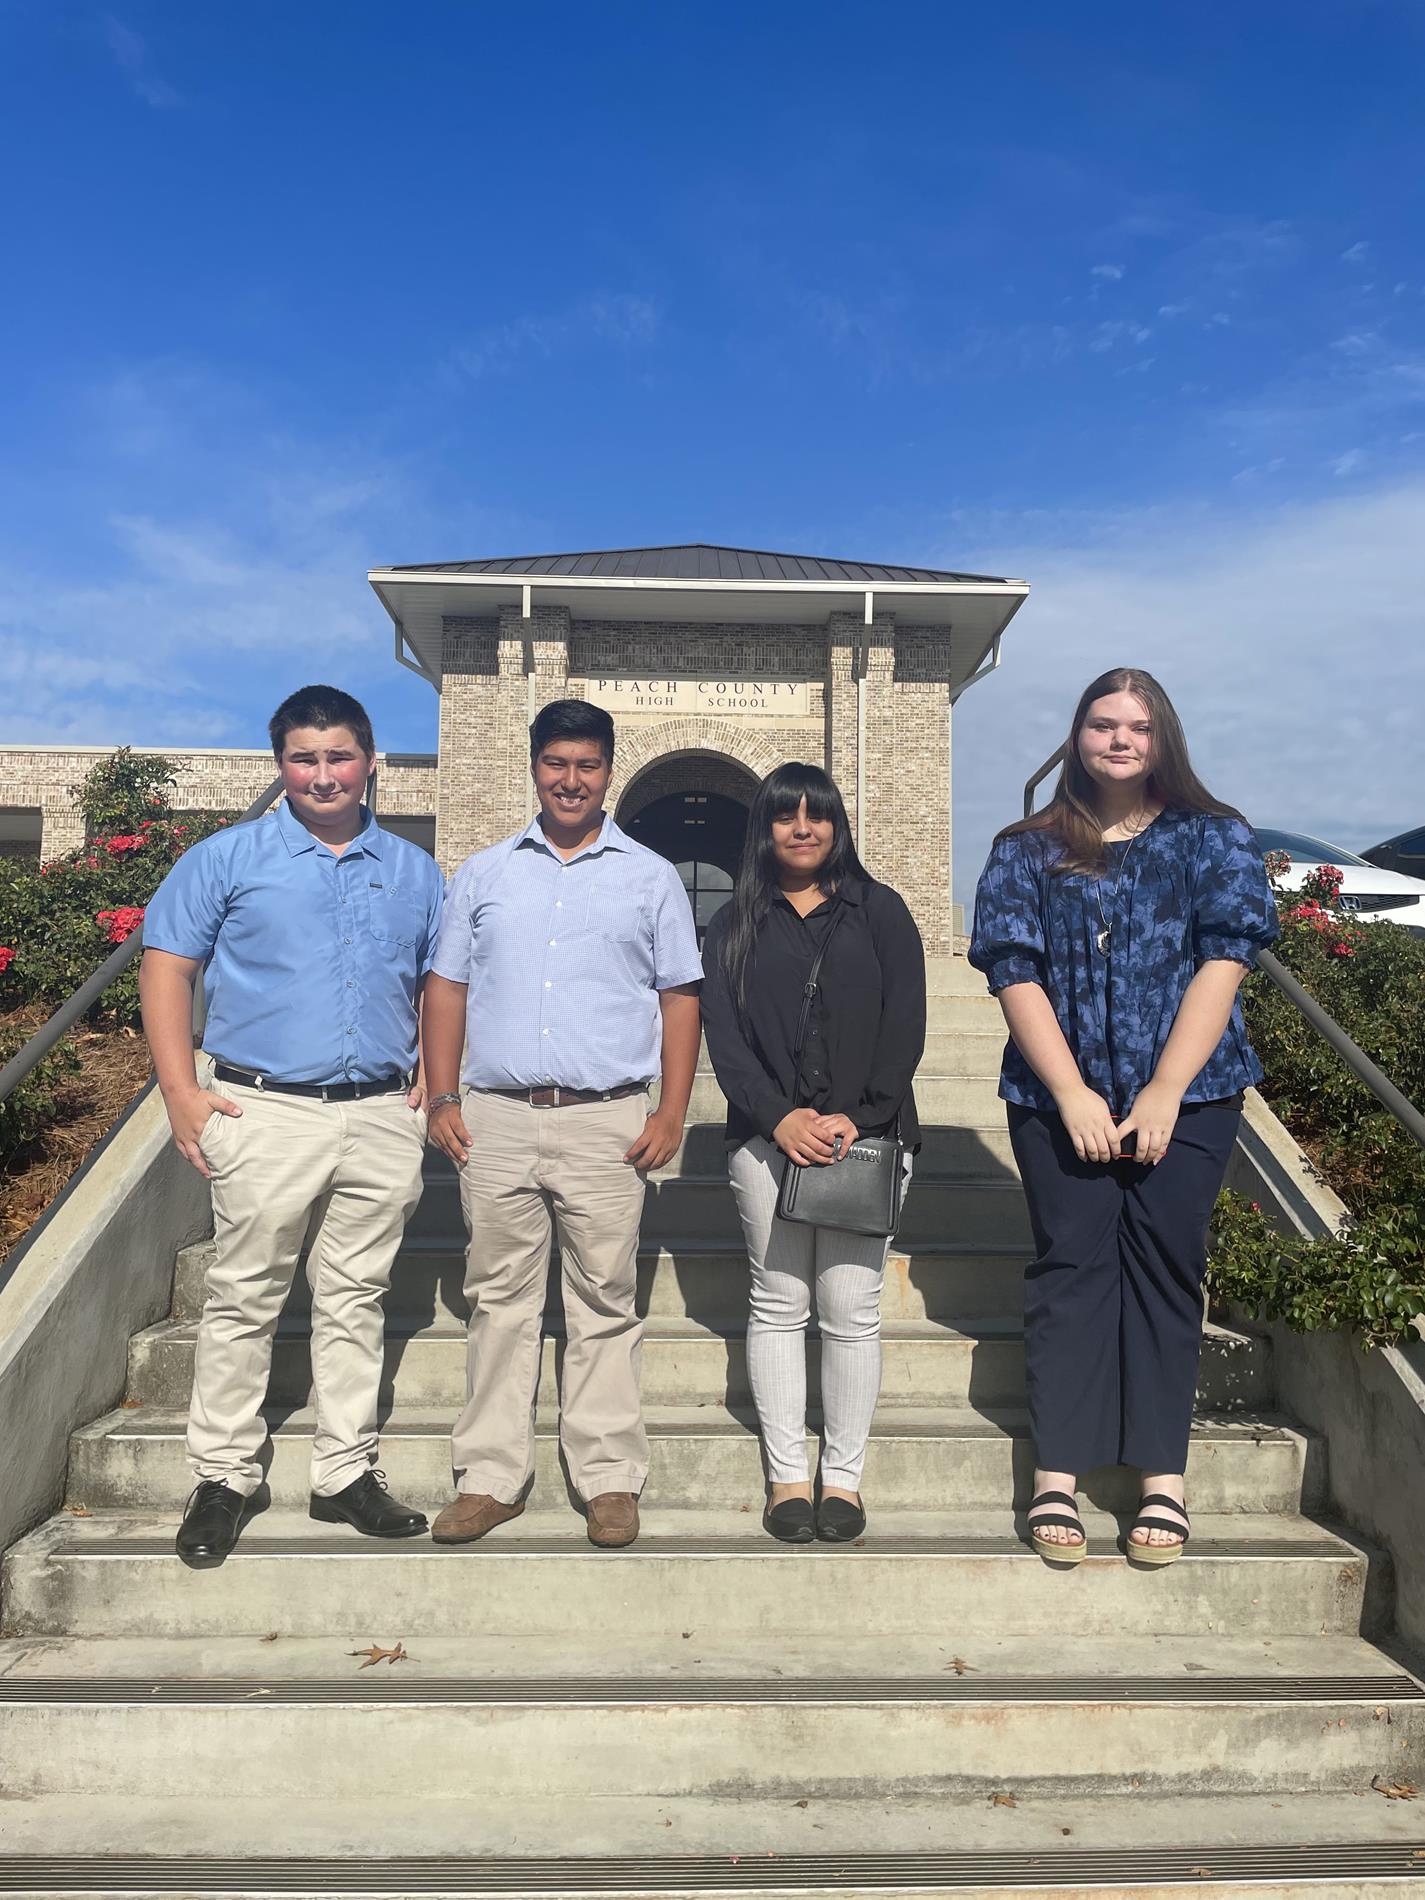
pixel 1113 1302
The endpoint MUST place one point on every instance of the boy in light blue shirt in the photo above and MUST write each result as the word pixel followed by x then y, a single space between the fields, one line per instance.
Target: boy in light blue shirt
pixel 315 929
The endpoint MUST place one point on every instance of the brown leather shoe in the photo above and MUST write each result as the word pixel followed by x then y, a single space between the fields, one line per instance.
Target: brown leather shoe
pixel 470 1517
pixel 613 1519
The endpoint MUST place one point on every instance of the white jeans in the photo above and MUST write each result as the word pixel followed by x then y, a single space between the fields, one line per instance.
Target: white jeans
pixel 786 1258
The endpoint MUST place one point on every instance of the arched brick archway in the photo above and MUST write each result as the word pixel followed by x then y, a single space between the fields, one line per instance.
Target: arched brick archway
pixel 683 772
pixel 699 735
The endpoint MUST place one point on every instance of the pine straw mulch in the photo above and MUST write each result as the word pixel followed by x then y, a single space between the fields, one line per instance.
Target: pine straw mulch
pixel 114 1067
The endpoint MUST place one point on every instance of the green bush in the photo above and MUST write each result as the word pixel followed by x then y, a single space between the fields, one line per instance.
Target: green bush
pixel 31 1108
pixel 60 920
pixel 1371 978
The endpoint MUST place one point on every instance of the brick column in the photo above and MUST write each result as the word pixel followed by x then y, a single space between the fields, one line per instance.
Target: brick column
pixel 484 723
pixel 904 800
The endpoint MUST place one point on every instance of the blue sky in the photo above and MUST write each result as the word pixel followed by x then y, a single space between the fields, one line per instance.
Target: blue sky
pixel 1128 301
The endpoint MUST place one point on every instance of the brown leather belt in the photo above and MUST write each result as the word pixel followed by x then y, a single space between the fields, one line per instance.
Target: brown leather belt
pixel 556 1097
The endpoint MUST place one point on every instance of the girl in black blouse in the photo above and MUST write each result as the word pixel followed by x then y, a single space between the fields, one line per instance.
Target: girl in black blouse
pixel 801 885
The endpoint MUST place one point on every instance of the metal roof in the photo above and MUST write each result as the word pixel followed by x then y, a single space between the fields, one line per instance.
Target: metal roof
pixel 701 560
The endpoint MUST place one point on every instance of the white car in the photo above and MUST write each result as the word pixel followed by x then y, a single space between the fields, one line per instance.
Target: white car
pixel 1367 892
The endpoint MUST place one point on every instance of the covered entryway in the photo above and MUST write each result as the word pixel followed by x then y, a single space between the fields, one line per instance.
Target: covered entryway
pixel 691 808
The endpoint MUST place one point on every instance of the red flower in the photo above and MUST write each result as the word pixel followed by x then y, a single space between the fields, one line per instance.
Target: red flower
pixel 178 830
pixel 1343 950
pixel 118 846
pixel 7 957
pixel 122 923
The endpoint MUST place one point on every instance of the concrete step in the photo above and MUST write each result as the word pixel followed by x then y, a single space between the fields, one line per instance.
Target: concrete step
pixel 951 1284
pixel 973 1044
pixel 685 1362
pixel 1348 1845
pixel 950 1096
pixel 809 1731
pixel 918 1458
pixel 701 1207
pixel 960 1009
pixel 953 976
pixel 115 1575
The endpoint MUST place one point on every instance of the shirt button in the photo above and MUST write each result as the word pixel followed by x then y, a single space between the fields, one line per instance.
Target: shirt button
pixel 544 1032
pixel 559 903
pixel 351 982
pixel 551 943
pixel 346 939
pixel 350 1030
pixel 549 986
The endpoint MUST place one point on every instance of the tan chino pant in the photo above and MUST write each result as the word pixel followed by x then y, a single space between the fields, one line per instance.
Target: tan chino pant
pixel 532 1173
pixel 352 1172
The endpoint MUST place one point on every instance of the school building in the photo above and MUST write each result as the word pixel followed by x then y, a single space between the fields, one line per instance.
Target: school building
pixel 717 664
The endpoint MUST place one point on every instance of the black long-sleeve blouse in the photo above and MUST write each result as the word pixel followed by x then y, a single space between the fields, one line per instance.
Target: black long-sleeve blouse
pixel 867 1031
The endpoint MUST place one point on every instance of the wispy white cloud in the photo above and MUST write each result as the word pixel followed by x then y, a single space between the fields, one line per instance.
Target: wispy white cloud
pixel 131 55
pixel 620 318
pixel 1358 253
pixel 1109 336
pixel 1349 463
pixel 1267 628
pixel 1111 272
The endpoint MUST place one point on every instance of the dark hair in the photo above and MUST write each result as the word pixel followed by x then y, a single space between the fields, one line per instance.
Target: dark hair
pixel 1071 814
pixel 778 796
pixel 571 719
pixel 322 707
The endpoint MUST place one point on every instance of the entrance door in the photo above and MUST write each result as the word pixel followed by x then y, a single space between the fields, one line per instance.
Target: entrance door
pixel 702 833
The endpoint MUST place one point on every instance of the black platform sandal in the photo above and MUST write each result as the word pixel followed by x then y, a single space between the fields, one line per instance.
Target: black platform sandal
pixel 1156 1555
pixel 1044 1547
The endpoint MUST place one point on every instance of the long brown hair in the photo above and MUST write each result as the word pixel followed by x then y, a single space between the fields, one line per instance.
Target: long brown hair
pixel 1070 814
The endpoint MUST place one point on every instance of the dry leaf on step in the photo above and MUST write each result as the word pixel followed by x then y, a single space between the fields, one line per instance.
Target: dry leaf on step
pixel 1003 1801
pixel 271 1637
pixel 375 1654
pixel 959 1665
pixel 79 1510
pixel 1393 1790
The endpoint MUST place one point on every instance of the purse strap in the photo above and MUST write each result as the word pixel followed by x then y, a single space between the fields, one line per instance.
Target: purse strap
pixel 809 992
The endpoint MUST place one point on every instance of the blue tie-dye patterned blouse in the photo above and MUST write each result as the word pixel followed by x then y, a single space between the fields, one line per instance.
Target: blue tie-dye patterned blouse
pixel 1192 889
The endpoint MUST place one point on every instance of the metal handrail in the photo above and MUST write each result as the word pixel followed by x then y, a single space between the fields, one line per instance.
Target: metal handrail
pixel 87 995
pixel 1325 1025
pixel 1032 785
pixel 1351 1053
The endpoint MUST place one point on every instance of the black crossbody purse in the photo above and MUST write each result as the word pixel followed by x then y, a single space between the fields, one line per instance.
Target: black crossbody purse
pixel 860 1193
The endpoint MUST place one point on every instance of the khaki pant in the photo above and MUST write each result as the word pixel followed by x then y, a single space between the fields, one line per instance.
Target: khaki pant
pixel 534 1172
pixel 351 1171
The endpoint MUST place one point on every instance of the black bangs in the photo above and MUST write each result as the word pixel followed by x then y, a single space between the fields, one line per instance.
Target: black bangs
pixel 784 789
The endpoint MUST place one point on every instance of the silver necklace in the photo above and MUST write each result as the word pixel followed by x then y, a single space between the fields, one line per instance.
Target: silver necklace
pixel 1102 937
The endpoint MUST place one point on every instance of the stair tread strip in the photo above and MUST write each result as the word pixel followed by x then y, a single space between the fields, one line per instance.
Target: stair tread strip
pixel 671 1874
pixel 150 1692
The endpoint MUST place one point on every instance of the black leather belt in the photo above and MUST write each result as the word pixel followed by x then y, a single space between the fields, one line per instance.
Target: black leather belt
pixel 318 1091
pixel 556 1097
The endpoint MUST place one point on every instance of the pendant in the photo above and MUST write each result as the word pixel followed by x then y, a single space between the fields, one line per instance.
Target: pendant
pixel 1102 941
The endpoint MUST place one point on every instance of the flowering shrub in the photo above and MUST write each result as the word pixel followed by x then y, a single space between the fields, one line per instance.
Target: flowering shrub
pixel 122 923
pixel 61 919
pixel 1371 978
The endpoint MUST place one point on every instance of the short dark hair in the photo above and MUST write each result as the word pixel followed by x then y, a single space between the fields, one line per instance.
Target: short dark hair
pixel 322 707
pixel 571 719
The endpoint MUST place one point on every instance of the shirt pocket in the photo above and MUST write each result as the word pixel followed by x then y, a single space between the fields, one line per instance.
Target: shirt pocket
pixel 396 916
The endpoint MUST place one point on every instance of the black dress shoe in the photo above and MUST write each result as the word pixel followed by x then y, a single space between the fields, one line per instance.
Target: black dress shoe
pixel 368 1507
pixel 792 1520
pixel 838 1522
pixel 212 1519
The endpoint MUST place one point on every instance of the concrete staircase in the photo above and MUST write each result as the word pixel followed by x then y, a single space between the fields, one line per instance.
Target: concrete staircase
pixel 934 1708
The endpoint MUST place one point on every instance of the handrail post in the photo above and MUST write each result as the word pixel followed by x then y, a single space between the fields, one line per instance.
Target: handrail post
pixel 1031 785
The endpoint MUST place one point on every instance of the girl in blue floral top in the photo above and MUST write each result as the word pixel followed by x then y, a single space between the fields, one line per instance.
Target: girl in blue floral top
pixel 1115 927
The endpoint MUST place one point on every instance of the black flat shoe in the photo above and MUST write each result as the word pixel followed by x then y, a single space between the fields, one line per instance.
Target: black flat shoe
pixel 212 1519
pixel 368 1507
pixel 838 1522
pixel 792 1521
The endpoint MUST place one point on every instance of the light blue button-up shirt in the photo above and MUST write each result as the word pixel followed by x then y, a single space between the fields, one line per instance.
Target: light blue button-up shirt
pixel 313 960
pixel 564 958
